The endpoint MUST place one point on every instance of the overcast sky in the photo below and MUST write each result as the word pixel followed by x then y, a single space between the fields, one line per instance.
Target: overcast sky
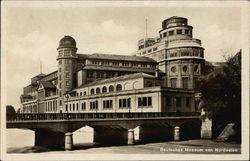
pixel 32 34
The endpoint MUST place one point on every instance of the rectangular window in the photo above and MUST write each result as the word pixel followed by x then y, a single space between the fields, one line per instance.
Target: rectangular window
pixel 67 53
pixel 144 101
pixel 164 34
pixel 67 75
pixel 120 103
pixel 150 50
pixel 116 63
pixel 67 68
pixel 125 64
pixel 178 101
pixel 107 104
pixel 149 101
pixel 95 62
pixel 186 32
pixel 124 103
pixel 144 52
pixel 94 105
pixel 173 82
pixel 139 101
pixel 134 64
pixel 187 102
pixel 185 82
pixel 169 101
pixel 178 32
pixel 170 33
pixel 154 49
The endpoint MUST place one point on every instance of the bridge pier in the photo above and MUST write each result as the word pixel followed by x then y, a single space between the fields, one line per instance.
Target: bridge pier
pixel 176 133
pixel 131 137
pixel 49 139
pixel 68 141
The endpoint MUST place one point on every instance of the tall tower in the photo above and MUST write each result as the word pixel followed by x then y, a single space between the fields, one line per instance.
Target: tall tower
pixel 178 54
pixel 184 54
pixel 66 69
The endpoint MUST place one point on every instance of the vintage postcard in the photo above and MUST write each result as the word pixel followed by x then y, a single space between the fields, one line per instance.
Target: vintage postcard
pixel 124 80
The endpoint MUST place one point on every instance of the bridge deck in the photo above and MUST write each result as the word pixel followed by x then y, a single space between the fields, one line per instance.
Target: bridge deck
pixel 38 117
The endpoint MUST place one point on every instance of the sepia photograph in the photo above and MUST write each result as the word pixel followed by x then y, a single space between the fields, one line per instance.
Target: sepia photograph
pixel 124 80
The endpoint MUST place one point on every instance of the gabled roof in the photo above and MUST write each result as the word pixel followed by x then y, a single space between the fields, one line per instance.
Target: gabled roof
pixel 116 57
pixel 120 78
pixel 47 84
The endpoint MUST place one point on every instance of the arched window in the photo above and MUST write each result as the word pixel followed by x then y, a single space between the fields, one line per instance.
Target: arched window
pixel 80 93
pixel 104 89
pixel 111 88
pixel 92 91
pixel 98 90
pixel 118 87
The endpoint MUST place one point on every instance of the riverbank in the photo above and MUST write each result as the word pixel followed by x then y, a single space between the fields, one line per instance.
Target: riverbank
pixel 171 147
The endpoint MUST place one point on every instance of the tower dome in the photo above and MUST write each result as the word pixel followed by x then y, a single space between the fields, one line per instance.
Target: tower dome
pixel 67 42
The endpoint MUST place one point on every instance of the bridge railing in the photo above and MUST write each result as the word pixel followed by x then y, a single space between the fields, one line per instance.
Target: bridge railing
pixel 77 116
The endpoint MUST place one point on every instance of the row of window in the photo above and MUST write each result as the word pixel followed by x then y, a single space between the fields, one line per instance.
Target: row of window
pixel 75 107
pixel 51 106
pixel 177 101
pixel 185 82
pixel 66 61
pixel 195 53
pixel 30 109
pixel 176 32
pixel 173 82
pixel 125 64
pixel 150 51
pixel 103 90
pixel 108 104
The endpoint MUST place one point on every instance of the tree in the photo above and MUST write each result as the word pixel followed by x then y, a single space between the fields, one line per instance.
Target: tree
pixel 221 94
pixel 10 112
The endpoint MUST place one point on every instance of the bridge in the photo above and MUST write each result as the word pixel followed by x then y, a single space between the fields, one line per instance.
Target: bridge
pixel 55 130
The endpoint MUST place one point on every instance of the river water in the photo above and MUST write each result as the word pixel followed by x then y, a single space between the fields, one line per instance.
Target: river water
pixel 24 137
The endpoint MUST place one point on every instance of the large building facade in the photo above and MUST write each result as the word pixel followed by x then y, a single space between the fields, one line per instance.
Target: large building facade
pixel 159 77
pixel 177 53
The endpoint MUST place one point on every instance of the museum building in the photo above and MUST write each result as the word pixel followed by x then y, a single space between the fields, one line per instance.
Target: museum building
pixel 159 77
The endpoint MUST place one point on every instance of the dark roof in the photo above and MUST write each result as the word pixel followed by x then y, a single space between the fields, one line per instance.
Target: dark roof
pixel 82 56
pixel 39 75
pixel 113 68
pixel 67 41
pixel 47 84
pixel 117 57
pixel 26 95
pixel 120 78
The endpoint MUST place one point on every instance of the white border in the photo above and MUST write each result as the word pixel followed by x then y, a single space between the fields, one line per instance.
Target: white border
pixel 244 5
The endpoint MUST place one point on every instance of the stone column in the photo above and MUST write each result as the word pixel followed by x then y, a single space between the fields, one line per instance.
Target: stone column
pixel 131 137
pixel 68 141
pixel 176 133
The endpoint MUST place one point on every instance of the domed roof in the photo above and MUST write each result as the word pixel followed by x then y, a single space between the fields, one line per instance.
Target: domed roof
pixel 67 41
